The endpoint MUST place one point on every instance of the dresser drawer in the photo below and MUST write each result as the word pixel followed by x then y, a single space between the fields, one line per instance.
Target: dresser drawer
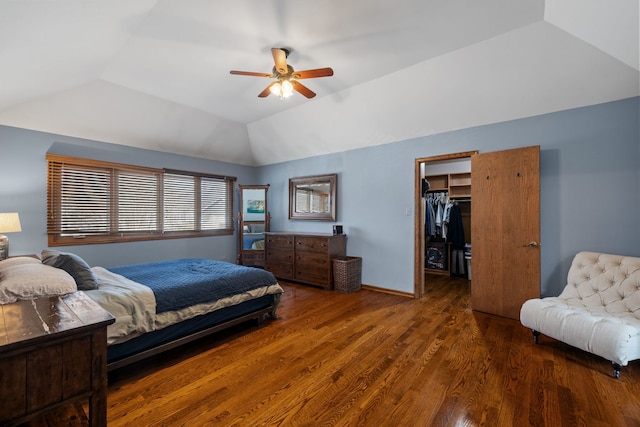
pixel 313 260
pixel 284 241
pixel 275 255
pixel 312 244
pixel 51 377
pixel 314 275
pixel 281 270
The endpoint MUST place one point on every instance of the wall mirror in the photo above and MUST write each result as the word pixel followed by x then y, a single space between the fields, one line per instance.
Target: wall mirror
pixel 313 197
pixel 253 222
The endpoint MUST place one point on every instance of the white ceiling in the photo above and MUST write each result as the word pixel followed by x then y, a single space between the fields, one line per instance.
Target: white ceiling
pixel 155 74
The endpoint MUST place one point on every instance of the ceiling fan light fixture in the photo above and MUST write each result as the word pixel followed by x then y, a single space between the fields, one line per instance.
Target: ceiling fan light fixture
pixel 282 88
pixel 286 78
pixel 276 89
pixel 287 88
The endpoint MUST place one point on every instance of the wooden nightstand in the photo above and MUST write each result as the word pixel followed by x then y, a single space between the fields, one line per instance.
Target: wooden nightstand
pixel 53 352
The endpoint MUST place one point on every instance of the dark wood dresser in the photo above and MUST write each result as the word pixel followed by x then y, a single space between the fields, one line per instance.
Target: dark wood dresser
pixel 53 352
pixel 303 257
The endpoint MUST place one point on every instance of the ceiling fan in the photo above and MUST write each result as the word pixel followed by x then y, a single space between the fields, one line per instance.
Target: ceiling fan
pixel 286 77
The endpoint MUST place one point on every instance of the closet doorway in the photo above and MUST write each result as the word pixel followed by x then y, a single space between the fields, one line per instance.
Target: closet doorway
pixel 440 184
pixel 505 224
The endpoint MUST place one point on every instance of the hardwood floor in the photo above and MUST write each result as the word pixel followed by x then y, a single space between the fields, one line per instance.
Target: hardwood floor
pixel 369 358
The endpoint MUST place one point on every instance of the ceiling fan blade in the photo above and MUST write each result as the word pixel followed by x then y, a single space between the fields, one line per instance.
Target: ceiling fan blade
pixel 267 91
pixel 280 59
pixel 310 74
pixel 250 73
pixel 299 87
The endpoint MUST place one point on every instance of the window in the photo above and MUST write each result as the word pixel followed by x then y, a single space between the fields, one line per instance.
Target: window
pixel 309 200
pixel 99 202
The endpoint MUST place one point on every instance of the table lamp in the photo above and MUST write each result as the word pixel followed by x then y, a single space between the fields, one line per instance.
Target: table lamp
pixel 9 223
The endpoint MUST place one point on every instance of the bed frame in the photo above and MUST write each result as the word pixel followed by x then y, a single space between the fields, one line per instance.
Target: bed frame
pixel 156 342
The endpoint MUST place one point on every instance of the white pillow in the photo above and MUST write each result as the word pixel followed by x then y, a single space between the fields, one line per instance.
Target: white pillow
pixel 29 280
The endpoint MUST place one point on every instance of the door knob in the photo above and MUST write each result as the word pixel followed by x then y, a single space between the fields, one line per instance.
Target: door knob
pixel 532 245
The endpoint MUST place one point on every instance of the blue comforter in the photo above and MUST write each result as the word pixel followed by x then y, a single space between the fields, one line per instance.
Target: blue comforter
pixel 178 284
pixel 248 239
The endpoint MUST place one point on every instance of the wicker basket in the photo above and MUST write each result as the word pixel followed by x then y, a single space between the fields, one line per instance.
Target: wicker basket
pixel 346 273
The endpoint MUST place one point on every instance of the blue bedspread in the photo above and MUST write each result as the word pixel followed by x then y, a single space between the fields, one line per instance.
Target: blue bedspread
pixel 181 283
pixel 248 239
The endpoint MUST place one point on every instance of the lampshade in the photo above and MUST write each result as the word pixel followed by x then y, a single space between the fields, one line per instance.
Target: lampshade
pixel 287 89
pixel 9 222
pixel 282 88
pixel 276 89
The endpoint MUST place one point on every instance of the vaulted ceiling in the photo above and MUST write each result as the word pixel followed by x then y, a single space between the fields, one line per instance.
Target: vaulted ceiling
pixel 155 74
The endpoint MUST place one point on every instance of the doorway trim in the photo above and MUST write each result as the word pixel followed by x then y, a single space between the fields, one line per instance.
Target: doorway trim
pixel 418 232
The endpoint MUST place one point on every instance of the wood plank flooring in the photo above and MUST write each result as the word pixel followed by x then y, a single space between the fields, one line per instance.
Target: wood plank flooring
pixel 373 359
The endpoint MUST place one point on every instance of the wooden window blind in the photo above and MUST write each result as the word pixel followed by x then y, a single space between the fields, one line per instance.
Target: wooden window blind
pixel 179 202
pixel 91 202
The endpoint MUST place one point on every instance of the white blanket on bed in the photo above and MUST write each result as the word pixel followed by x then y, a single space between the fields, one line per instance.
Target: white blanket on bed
pixel 134 305
pixel 131 303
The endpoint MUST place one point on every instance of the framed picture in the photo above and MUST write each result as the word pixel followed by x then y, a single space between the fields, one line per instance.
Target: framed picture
pixel 255 207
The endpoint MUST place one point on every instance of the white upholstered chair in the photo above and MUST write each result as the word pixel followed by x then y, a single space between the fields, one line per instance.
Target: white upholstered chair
pixel 598 311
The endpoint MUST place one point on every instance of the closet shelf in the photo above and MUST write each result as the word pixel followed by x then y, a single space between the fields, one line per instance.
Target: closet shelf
pixel 438 183
pixel 460 185
pixel 456 184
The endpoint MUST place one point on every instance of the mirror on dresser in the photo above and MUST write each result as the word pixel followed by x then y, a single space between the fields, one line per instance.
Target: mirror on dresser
pixel 313 197
pixel 253 222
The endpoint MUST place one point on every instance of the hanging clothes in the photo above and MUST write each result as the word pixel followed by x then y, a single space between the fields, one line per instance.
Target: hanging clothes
pixel 456 230
pixel 439 212
pixel 436 214
pixel 457 240
pixel 446 217
pixel 430 219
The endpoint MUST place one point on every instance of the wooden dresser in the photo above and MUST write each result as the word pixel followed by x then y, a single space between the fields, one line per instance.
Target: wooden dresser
pixel 53 352
pixel 303 257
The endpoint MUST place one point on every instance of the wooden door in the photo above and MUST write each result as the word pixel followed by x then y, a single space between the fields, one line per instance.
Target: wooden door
pixel 505 223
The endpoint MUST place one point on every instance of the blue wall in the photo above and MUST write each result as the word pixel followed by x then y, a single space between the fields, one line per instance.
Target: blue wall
pixel 23 189
pixel 590 191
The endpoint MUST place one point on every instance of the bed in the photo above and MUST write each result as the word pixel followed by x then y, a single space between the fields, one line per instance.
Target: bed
pixel 253 240
pixel 157 305
pixel 253 236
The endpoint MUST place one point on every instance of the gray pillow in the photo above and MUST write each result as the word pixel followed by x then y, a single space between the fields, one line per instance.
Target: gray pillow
pixel 28 281
pixel 257 228
pixel 74 265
